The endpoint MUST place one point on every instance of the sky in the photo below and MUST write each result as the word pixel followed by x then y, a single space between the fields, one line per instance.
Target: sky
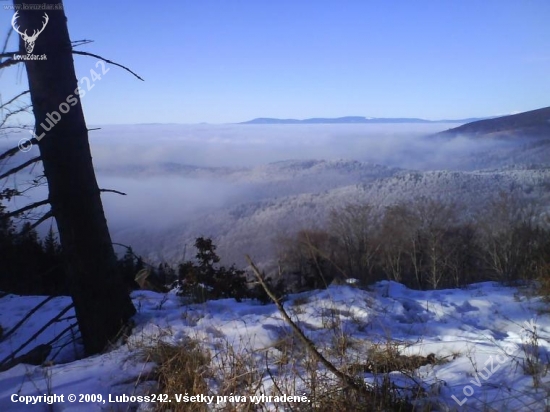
pixel 230 61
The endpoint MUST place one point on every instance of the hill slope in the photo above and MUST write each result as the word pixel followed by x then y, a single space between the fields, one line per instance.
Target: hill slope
pixel 352 119
pixel 534 123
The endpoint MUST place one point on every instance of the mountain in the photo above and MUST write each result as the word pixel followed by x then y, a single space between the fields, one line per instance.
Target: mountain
pixel 353 119
pixel 277 199
pixel 534 123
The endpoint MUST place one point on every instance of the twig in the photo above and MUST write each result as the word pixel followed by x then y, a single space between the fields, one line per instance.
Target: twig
pixel 106 61
pixel 275 383
pixel 78 43
pixel 112 191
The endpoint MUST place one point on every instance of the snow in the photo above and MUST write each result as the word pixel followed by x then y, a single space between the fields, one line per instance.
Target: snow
pixel 283 197
pixel 482 331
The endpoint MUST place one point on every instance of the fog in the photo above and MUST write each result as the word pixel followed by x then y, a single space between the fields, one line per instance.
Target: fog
pixel 401 145
pixel 129 158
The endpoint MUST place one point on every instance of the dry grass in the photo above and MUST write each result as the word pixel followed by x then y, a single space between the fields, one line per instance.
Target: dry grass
pixel 181 369
pixel 285 368
pixel 330 375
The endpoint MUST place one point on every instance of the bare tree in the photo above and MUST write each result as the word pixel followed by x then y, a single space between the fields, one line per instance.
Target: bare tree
pixel 308 260
pixel 396 236
pixel 437 220
pixel 509 235
pixel 418 237
pixel 402 255
pixel 355 226
pixel 101 301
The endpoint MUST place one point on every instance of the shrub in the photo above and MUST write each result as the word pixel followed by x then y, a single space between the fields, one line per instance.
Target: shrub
pixel 204 279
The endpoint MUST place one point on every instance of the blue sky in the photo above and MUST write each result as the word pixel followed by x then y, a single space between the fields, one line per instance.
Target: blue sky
pixel 228 60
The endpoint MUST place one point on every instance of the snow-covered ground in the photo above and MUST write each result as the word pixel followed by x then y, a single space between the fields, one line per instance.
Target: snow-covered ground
pixel 484 337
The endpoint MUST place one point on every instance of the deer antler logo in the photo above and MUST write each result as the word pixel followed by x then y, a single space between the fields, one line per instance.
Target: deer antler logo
pixel 29 40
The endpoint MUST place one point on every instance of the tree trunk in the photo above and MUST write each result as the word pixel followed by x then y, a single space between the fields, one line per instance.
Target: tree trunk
pixel 101 301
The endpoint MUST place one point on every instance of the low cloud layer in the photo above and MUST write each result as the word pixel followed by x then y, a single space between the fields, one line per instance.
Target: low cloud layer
pixel 250 145
pixel 160 201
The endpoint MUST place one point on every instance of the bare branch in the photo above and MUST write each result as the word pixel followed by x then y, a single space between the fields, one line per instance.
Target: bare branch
pixel 33 337
pixel 112 191
pixel 8 35
pixel 27 208
pixel 35 356
pixel 14 99
pixel 20 167
pixel 128 248
pixel 27 316
pixel 59 335
pixel 11 113
pixel 106 61
pixel 9 54
pixel 78 43
pixel 38 222
pixel 14 150
pixel 9 62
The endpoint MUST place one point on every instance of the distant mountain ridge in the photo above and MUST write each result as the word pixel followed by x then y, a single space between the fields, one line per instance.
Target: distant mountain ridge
pixel 354 120
pixel 534 123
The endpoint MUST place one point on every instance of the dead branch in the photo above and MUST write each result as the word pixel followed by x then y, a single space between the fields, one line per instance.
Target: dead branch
pixel 129 249
pixel 344 378
pixel 112 191
pixel 7 39
pixel 107 61
pixel 77 43
pixel 58 336
pixel 11 113
pixel 13 99
pixel 27 316
pixel 20 167
pixel 38 222
pixel 8 54
pixel 35 335
pixel 14 150
pixel 67 329
pixel 36 356
pixel 9 62
pixel 27 208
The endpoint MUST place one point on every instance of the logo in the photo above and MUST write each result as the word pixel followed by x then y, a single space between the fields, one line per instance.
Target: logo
pixel 29 40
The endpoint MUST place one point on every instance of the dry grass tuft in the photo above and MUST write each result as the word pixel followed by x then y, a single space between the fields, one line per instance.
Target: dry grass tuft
pixel 182 368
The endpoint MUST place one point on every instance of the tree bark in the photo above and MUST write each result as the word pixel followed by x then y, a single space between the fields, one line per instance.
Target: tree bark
pixel 101 301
